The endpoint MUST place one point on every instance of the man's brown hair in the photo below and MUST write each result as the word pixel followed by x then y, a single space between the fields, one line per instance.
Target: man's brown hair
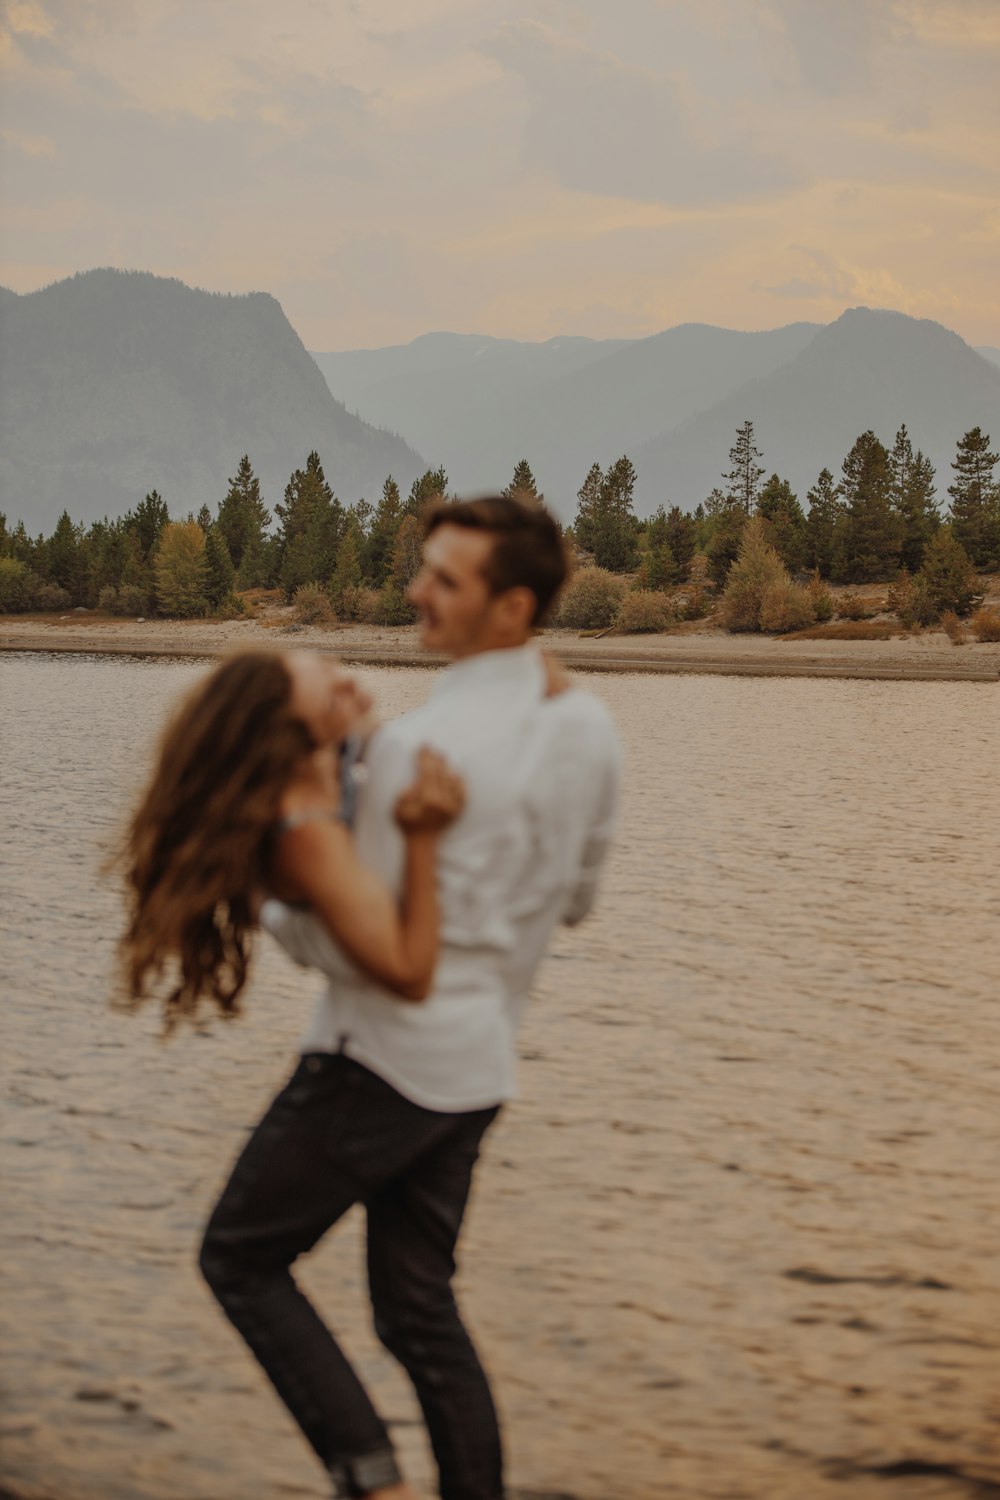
pixel 528 550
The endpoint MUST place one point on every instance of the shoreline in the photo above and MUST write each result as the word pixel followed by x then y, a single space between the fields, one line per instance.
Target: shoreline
pixel 929 657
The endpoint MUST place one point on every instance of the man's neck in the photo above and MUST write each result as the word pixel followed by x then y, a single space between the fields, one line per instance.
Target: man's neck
pixel 480 648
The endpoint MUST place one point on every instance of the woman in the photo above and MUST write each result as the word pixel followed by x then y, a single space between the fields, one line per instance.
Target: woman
pixel 244 799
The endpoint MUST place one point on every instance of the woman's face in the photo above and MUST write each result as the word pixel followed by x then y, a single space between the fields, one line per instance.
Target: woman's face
pixel 329 701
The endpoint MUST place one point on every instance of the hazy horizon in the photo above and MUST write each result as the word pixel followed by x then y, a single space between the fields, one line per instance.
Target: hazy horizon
pixel 483 333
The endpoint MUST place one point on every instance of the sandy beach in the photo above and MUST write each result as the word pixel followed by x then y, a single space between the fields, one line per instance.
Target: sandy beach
pixel 925 656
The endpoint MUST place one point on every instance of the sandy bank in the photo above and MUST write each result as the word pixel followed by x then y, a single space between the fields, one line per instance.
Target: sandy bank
pixel 926 657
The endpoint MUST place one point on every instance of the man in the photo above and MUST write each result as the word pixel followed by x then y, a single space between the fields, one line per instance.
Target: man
pixel 393 1098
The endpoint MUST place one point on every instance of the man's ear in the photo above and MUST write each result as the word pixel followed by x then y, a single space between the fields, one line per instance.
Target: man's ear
pixel 516 610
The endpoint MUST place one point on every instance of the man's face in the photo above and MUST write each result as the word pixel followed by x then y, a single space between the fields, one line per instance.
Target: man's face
pixel 458 614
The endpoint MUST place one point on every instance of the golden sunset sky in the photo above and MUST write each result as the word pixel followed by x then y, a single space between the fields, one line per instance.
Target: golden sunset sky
pixel 388 167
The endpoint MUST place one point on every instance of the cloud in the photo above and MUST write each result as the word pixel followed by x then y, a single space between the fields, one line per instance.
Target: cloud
pixel 27 18
pixel 600 126
pixel 30 145
pixel 522 167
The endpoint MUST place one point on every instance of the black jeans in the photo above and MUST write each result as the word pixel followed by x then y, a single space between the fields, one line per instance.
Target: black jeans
pixel 338 1135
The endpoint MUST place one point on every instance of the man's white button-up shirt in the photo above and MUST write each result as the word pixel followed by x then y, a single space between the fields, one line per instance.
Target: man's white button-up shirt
pixel 542 778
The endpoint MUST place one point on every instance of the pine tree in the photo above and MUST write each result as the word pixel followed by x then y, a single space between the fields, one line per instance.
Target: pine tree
pixel 523 486
pixel 655 529
pixel 682 539
pixel 219 572
pixel 588 499
pixel 180 570
pixel 243 520
pixel 871 537
pixel 912 498
pixel 743 479
pixel 975 500
pixel 347 572
pixel 949 574
pixel 757 568
pixel 721 533
pixel 660 567
pixel 615 540
pixel 784 523
pixel 204 518
pixel 377 553
pixel 427 490
pixel 62 557
pixel 147 522
pixel 823 523
pixel 406 552
pixel 363 513
pixel 21 547
pixel 312 522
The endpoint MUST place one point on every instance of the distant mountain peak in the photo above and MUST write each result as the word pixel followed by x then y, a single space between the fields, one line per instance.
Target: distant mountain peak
pixel 118 382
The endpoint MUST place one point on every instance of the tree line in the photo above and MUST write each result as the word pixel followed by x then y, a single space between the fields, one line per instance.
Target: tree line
pixel 878 518
pixel 355 561
pixel 144 563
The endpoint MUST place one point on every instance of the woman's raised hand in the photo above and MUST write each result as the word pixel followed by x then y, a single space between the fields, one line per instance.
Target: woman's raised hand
pixel 434 798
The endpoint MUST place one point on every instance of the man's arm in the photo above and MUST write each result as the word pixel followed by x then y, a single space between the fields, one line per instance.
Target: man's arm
pixel 575 798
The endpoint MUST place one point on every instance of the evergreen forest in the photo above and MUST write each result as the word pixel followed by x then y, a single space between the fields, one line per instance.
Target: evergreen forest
pixel 882 519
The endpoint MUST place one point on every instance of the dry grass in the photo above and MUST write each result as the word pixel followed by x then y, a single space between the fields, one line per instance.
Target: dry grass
pixel 953 628
pixel 986 624
pixel 850 630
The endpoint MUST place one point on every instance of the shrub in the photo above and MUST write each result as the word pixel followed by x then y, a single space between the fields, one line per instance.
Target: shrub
pixel 15 585
pixel 389 607
pixel 696 600
pixel 50 596
pixel 367 605
pixel 851 607
pixel 590 600
pixel 644 613
pixel 354 600
pixel 822 599
pixel 899 597
pixel 133 599
pixel 953 628
pixel 233 607
pixel 757 568
pixel 986 624
pixel 786 606
pixel 107 599
pixel 311 605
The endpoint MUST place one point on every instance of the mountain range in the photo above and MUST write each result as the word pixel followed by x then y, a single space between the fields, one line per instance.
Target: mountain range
pixel 113 384
pixel 673 401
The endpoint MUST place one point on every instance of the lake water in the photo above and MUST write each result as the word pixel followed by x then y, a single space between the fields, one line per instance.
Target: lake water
pixel 738 1238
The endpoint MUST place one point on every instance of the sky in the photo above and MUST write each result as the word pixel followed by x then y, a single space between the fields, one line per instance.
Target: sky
pixel 390 167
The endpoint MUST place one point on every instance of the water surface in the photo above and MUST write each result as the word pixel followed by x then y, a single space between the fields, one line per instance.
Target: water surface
pixel 736 1240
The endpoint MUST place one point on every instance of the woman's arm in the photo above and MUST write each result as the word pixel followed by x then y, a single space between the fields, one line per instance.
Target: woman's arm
pixel 317 862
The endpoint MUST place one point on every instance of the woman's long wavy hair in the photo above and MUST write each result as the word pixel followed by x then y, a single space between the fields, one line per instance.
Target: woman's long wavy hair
pixel 196 849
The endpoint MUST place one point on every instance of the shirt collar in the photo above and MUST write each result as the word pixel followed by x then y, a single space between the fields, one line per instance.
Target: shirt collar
pixel 494 668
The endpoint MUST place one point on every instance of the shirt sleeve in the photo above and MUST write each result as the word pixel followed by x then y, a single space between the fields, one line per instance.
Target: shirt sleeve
pixel 302 935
